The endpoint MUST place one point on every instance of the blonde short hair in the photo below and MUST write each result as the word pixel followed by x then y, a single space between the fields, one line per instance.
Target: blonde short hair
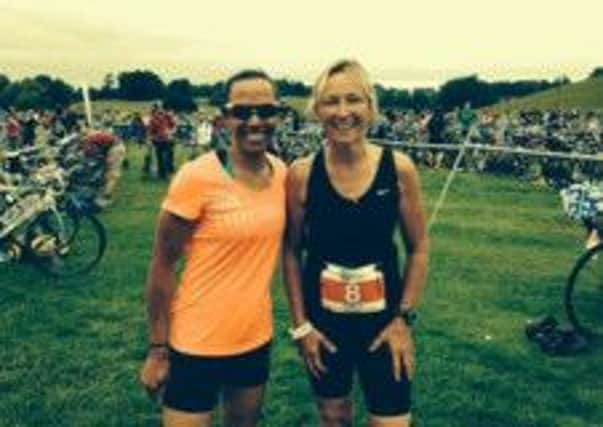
pixel 344 66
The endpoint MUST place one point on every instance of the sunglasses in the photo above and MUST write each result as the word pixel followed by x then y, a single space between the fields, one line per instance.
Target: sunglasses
pixel 245 112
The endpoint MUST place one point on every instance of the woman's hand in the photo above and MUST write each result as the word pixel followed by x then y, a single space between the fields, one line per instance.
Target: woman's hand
pixel 310 347
pixel 398 336
pixel 155 370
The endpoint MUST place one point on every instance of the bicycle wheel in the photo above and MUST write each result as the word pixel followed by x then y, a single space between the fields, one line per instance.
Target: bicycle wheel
pixel 584 293
pixel 66 244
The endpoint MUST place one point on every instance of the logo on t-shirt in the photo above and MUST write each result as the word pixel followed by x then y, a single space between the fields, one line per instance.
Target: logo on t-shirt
pixel 228 202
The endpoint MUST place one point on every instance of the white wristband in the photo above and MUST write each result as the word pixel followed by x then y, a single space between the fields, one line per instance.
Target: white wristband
pixel 301 331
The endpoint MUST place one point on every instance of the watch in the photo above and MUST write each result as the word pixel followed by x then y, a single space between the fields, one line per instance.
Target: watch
pixel 408 314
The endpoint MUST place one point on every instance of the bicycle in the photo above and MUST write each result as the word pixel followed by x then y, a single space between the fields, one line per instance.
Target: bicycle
pixel 583 296
pixel 42 222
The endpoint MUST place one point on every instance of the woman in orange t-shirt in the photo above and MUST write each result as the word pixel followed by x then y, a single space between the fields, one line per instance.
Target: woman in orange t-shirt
pixel 225 213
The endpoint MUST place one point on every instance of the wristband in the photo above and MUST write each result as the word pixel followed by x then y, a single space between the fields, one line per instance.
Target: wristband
pixel 301 331
pixel 154 345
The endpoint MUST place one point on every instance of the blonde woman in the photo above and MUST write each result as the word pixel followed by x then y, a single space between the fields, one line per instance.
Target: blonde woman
pixel 352 309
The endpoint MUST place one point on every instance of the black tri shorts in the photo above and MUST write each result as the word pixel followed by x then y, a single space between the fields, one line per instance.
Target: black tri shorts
pixel 195 382
pixel 384 395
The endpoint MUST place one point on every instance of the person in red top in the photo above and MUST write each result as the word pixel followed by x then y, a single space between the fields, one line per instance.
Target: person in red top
pixel 161 127
pixel 110 152
pixel 13 130
pixel 97 143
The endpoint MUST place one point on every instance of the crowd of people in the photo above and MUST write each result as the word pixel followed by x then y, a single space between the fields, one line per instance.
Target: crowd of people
pixel 567 132
pixel 515 144
pixel 100 152
pixel 431 138
pixel 36 127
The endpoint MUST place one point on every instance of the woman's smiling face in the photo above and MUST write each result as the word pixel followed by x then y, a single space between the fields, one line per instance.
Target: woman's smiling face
pixel 344 109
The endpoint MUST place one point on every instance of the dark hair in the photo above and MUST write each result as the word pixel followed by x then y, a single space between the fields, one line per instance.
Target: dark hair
pixel 249 75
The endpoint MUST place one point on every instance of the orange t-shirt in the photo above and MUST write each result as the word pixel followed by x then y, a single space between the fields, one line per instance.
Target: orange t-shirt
pixel 223 305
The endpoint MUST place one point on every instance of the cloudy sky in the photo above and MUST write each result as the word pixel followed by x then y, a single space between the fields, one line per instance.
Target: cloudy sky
pixel 406 43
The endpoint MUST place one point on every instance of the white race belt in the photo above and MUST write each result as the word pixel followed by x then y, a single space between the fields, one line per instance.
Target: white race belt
pixel 352 290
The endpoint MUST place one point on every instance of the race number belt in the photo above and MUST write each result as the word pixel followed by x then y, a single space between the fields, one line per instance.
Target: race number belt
pixel 352 290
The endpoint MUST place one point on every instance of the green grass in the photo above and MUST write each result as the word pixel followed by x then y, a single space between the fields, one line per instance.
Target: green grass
pixel 128 107
pixel 71 350
pixel 299 103
pixel 584 95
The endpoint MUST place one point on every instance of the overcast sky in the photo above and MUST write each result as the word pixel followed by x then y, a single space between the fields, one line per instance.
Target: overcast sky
pixel 406 43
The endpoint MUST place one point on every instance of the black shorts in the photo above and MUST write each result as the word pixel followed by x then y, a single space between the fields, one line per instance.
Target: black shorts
pixel 195 382
pixel 384 395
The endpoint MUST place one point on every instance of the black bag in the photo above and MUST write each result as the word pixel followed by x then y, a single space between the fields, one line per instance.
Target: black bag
pixel 553 339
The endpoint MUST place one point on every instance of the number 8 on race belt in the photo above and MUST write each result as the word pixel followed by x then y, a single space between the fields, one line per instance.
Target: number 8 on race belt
pixel 352 290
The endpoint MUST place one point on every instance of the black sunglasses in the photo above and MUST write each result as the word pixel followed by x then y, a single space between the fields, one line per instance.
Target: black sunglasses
pixel 245 112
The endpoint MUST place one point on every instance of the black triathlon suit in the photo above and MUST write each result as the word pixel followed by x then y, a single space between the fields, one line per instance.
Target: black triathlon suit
pixel 352 234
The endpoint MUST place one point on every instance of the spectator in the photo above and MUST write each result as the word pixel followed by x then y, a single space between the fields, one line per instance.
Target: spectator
pixel 110 152
pixel 161 128
pixel 28 126
pixel 13 130
pixel 138 130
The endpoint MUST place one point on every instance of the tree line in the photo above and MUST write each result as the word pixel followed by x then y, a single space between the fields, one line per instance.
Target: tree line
pixel 46 92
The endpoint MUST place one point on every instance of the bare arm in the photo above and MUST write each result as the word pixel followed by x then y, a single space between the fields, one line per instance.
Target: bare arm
pixel 296 196
pixel 397 334
pixel 313 340
pixel 414 231
pixel 171 237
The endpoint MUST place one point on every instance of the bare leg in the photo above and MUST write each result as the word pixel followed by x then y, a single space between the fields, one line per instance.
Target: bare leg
pixel 336 412
pixel 396 421
pixel 175 418
pixel 243 406
pixel 593 239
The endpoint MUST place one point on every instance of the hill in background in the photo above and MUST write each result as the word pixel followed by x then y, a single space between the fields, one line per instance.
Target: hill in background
pixel 583 95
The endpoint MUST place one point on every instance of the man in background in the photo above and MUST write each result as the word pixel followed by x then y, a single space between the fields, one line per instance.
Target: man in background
pixel 161 127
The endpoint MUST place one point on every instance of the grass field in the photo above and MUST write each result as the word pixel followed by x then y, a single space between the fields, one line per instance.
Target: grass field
pixel 584 95
pixel 142 107
pixel 71 350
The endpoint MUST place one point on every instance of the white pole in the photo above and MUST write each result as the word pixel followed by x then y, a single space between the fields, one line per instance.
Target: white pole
pixel 451 175
pixel 87 105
